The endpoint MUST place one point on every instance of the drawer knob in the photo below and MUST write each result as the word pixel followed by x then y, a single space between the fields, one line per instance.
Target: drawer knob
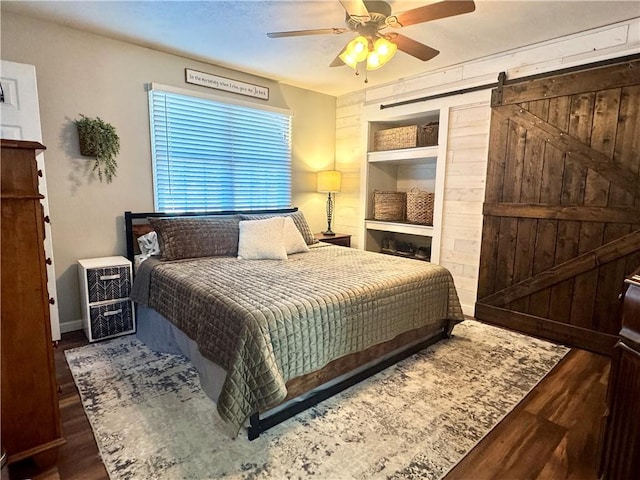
pixel 52 301
pixel 48 261
pixel 47 219
pixel 40 173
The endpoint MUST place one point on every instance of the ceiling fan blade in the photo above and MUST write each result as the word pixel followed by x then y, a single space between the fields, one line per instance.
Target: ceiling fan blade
pixel 337 62
pixel 356 8
pixel 410 46
pixel 434 11
pixel 298 33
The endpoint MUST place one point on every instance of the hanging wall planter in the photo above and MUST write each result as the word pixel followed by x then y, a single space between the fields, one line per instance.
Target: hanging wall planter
pixel 99 139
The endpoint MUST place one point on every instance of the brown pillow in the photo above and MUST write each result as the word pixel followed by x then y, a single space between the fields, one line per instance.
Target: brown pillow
pixel 194 237
pixel 297 217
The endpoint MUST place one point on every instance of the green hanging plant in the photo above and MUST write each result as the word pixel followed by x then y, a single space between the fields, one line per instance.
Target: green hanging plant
pixel 99 139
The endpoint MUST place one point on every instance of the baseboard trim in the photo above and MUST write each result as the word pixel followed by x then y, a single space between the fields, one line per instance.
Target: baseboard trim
pixel 71 326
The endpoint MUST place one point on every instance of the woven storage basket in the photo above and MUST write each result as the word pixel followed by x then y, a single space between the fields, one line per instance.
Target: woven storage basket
pixel 406 137
pixel 420 207
pixel 389 206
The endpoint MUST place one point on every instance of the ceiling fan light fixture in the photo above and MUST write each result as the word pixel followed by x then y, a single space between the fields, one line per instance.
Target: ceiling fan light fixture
pixel 373 61
pixel 383 51
pixel 356 51
pixel 348 60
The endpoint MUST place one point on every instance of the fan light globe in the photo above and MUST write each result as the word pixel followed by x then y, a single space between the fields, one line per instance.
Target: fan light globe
pixel 373 61
pixel 358 48
pixel 348 60
pixel 383 51
pixel 355 52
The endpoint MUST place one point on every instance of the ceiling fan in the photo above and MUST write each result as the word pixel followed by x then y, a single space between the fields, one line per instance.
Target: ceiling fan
pixel 370 18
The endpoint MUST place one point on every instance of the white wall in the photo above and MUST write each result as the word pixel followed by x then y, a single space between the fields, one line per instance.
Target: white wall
pixel 467 136
pixel 85 73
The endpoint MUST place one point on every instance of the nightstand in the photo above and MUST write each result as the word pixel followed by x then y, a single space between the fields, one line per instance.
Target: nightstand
pixel 341 239
pixel 105 284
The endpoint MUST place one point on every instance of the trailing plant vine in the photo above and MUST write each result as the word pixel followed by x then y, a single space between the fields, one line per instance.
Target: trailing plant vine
pixel 99 139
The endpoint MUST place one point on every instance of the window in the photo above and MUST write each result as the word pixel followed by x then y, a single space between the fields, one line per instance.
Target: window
pixel 212 156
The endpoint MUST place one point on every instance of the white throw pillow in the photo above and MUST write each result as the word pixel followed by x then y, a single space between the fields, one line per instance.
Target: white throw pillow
pixel 293 240
pixel 262 239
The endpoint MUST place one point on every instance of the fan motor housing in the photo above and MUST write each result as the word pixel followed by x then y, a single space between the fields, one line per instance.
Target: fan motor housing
pixel 378 12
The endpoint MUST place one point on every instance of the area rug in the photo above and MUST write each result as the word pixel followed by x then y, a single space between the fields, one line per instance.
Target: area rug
pixel 414 420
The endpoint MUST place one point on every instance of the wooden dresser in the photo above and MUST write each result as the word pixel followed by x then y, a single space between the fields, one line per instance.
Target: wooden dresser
pixel 621 449
pixel 30 414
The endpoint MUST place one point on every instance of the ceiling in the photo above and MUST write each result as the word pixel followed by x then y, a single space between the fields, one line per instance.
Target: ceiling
pixel 233 33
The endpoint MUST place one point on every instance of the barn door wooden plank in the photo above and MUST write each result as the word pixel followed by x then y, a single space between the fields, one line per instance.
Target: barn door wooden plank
pixel 627 144
pixel 614 76
pixel 529 192
pixel 602 134
pixel 550 193
pixel 580 128
pixel 508 229
pixel 627 155
pixel 563 212
pixel 572 193
pixel 545 328
pixel 495 177
pixel 580 264
pixel 626 147
pixel 575 150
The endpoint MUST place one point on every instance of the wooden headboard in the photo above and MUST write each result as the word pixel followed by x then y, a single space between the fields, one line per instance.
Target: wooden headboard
pixel 136 224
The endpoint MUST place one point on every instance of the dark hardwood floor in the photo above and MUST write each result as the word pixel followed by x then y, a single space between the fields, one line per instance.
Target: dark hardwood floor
pixel 552 434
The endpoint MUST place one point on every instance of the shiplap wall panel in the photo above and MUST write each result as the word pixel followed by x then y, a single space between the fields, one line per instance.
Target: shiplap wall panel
pixel 467 148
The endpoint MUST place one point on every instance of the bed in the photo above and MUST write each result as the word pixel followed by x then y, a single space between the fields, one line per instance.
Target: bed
pixel 272 336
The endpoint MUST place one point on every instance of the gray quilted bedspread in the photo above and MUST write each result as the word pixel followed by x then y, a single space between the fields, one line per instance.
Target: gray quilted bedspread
pixel 267 321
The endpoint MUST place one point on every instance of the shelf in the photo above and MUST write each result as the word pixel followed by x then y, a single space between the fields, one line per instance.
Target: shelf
pixel 403 255
pixel 397 227
pixel 405 155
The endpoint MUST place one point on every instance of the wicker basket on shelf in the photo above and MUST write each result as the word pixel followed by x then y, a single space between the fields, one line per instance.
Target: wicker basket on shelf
pixel 389 206
pixel 420 207
pixel 406 137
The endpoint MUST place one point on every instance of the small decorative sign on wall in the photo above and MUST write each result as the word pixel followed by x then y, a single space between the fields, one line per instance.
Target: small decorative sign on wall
pixel 226 84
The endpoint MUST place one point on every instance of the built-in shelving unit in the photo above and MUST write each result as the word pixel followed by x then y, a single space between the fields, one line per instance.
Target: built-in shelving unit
pixel 402 170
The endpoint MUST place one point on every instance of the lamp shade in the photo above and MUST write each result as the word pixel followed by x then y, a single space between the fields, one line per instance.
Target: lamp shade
pixel 329 181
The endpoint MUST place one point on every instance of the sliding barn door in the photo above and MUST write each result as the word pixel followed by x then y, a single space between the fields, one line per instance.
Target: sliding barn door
pixel 562 207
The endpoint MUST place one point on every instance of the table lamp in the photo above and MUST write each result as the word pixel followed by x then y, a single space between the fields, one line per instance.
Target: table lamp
pixel 329 182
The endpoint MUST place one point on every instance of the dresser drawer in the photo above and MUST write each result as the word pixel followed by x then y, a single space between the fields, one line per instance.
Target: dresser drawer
pixel 110 283
pixel 110 319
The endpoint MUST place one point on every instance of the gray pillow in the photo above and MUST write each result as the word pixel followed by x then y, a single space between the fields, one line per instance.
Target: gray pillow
pixel 194 237
pixel 297 217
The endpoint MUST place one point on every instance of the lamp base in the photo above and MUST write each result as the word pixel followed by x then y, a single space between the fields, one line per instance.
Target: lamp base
pixel 329 233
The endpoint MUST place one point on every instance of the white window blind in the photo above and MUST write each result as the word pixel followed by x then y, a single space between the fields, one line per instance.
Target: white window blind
pixel 212 156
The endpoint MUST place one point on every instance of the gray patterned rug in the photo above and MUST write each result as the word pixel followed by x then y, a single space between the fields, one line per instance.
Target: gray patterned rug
pixel 414 420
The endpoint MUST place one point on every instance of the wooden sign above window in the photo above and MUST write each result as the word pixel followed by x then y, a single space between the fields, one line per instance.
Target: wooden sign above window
pixel 226 84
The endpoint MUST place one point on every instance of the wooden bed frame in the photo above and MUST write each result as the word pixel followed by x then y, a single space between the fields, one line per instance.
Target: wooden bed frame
pixel 416 340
